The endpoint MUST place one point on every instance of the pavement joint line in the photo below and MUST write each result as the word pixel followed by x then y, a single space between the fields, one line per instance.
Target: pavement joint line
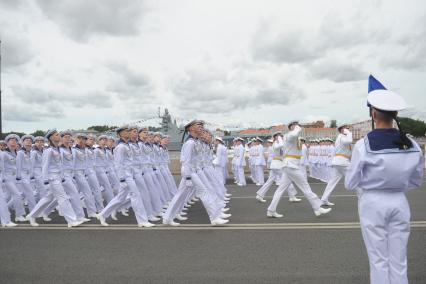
pixel 259 226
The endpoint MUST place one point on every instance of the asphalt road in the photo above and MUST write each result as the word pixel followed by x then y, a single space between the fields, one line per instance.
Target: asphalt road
pixel 299 248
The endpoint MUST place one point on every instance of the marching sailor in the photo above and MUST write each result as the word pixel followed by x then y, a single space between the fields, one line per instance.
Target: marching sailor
pixel 293 173
pixel 384 166
pixel 221 160
pixel 340 162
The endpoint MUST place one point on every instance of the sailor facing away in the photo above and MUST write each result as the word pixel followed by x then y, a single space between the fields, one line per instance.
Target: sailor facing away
pixel 385 165
pixel 340 162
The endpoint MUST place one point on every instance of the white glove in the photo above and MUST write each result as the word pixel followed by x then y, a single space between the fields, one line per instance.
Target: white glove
pixel 346 131
pixel 297 128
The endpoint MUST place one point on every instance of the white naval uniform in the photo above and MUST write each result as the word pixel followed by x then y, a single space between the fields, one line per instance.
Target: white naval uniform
pixel 340 163
pixel 112 175
pixel 79 161
pixel 140 182
pixel 164 166
pixel 381 174
pixel 92 179
pixel 220 162
pixel 275 168
pixel 53 176
pixel 150 178
pixel 123 163
pixel 101 168
pixel 24 175
pixel 259 164
pixel 190 182
pixel 240 163
pixel 36 162
pixel 293 173
pixel 4 210
pixel 9 162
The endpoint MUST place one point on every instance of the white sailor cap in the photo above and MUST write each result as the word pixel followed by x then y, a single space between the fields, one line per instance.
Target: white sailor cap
pixel 91 136
pixel 66 132
pixel 277 133
pixel 39 138
pixel 339 128
pixel 121 128
pixel 81 136
pixel 219 139
pixel 102 137
pixel 302 139
pixel 143 129
pixel 259 139
pixel 158 134
pixel 50 132
pixel 193 122
pixel 111 138
pixel 165 137
pixel 239 139
pixel 270 141
pixel 27 136
pixel 11 136
pixel 382 99
pixel 293 122
pixel 131 127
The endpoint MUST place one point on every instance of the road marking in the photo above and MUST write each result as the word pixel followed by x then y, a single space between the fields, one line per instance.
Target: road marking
pixel 196 227
pixel 286 196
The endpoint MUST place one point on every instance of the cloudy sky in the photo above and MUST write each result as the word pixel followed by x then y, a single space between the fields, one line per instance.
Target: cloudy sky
pixel 76 63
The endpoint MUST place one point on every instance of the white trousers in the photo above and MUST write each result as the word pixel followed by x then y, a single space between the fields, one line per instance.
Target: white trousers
pixel 96 189
pixel 337 173
pixel 17 200
pixel 143 190
pixel 241 175
pixel 385 225
pixel 156 203
pixel 210 201
pixel 296 176
pixel 275 174
pixel 260 176
pixel 84 188
pixel 55 192
pixel 107 193
pixel 4 210
pixel 26 188
pixel 128 188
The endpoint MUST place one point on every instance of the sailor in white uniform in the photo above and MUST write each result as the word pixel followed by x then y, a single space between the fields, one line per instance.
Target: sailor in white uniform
pixel 10 178
pixel 53 176
pixel 36 162
pixel 123 163
pixel 384 166
pixel 292 173
pixel 5 220
pixel 79 156
pixel 190 155
pixel 101 168
pixel 259 162
pixel 24 169
pixel 340 162
pixel 221 159
pixel 240 161
pixel 90 172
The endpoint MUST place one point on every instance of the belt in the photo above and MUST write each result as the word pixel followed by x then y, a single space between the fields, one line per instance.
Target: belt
pixel 277 159
pixel 293 156
pixel 343 155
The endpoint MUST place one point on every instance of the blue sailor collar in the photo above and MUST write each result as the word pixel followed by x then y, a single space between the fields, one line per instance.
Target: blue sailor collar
pixel 122 141
pixel 381 141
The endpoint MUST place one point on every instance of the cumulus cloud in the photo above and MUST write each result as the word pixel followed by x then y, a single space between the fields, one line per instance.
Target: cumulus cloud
pixel 82 19
pixel 28 113
pixel 219 91
pixel 45 98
